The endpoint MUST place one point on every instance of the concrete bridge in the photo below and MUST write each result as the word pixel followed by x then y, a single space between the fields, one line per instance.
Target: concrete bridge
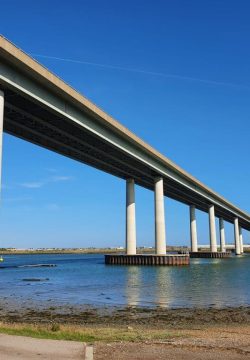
pixel 37 106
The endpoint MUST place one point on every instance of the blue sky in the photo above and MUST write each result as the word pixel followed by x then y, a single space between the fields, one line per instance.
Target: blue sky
pixel 174 72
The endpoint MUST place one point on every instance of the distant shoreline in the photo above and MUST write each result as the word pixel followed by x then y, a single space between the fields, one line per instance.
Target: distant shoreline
pixel 66 251
pixel 80 251
pixel 90 251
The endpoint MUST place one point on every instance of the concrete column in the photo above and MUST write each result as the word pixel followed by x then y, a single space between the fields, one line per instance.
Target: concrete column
pixel 1 133
pixel 241 240
pixel 237 237
pixel 212 230
pixel 193 229
pixel 130 218
pixel 160 231
pixel 222 236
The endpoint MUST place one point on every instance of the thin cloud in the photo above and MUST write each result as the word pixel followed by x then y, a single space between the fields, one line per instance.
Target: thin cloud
pixel 17 199
pixel 140 71
pixel 40 184
pixel 32 185
pixel 61 178
pixel 51 170
pixel 52 207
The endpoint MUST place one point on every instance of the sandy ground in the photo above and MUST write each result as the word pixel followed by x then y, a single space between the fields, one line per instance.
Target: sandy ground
pixel 24 348
pixel 226 343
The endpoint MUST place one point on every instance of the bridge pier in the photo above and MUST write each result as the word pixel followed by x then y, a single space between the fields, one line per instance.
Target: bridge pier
pixel 160 230
pixel 222 235
pixel 80 130
pixel 1 133
pixel 212 230
pixel 237 237
pixel 130 218
pixel 241 240
pixel 193 229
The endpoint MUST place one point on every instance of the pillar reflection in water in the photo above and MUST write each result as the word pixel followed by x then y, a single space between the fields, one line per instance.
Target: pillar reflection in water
pixel 205 283
pixel 163 292
pixel 133 284
pixel 149 286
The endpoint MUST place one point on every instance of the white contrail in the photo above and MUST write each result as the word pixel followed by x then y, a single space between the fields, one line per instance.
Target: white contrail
pixel 114 67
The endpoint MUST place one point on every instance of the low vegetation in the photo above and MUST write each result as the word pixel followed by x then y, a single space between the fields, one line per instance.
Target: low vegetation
pixel 86 334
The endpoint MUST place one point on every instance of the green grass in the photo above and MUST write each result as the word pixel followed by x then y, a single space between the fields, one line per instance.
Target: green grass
pixel 85 334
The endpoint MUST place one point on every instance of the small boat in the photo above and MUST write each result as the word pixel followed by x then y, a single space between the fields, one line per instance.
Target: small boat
pixel 1 259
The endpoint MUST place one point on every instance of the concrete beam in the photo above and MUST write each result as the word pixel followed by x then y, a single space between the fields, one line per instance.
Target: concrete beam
pixel 130 218
pixel 193 229
pixel 160 231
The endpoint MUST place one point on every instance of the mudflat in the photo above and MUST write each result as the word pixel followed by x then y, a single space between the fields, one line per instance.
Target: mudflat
pixel 127 316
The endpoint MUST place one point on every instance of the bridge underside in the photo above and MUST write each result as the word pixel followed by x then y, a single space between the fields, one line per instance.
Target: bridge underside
pixel 31 120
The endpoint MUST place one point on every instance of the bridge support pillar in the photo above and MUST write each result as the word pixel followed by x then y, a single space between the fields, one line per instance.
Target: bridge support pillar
pixel 130 218
pixel 241 240
pixel 237 237
pixel 160 231
pixel 212 230
pixel 193 229
pixel 1 133
pixel 222 236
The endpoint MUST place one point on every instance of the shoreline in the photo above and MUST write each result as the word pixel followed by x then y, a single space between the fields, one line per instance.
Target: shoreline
pixel 185 333
pixel 97 251
pixel 87 251
pixel 127 316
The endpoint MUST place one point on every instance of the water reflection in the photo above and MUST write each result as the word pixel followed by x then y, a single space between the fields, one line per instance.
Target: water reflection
pixel 206 282
pixel 84 279
pixel 133 285
pixel 149 285
pixel 164 285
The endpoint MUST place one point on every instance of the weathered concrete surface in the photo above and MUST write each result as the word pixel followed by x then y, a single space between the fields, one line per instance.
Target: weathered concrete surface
pixel 25 348
pixel 148 259
pixel 210 255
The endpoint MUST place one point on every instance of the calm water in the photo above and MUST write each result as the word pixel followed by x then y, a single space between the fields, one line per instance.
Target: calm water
pixel 85 279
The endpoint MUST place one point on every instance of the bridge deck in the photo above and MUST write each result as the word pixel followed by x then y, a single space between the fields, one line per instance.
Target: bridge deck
pixel 42 109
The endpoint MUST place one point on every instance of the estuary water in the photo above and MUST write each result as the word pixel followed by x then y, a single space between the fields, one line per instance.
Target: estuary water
pixel 86 280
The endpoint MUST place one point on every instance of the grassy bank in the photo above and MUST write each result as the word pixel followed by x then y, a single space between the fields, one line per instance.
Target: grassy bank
pixel 86 334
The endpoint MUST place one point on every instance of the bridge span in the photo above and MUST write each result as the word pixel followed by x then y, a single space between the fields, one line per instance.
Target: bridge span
pixel 37 106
